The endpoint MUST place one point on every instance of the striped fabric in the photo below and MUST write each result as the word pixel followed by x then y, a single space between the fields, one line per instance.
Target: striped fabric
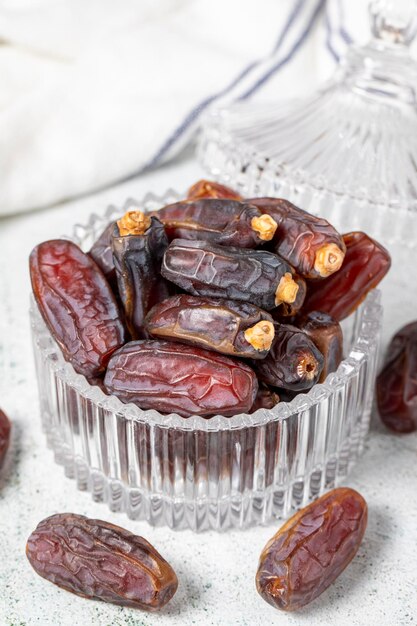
pixel 95 93
pixel 297 27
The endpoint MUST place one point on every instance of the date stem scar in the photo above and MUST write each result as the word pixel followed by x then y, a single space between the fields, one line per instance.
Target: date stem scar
pixel 287 290
pixel 329 259
pixel 261 335
pixel 265 226
pixel 133 223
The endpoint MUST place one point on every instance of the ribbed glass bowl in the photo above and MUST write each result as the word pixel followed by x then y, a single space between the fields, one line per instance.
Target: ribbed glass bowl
pixel 207 473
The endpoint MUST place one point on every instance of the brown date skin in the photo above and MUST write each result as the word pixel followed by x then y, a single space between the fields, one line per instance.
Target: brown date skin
pixel 5 431
pixel 211 323
pixel 221 221
pixel 206 269
pixel 365 265
pixel 101 252
pixel 312 549
pixel 327 336
pixel 100 561
pixel 77 305
pixel 396 387
pixel 210 189
pixel 266 398
pixel 175 378
pixel 137 261
pixel 300 236
pixel 286 311
pixel 293 361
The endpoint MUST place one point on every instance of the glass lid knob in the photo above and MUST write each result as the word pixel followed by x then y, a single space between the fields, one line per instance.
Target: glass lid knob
pixel 394 21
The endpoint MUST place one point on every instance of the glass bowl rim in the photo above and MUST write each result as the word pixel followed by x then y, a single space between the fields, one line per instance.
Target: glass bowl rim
pixel 370 321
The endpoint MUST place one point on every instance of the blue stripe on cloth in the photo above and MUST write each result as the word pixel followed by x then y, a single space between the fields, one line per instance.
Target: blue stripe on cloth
pixel 291 19
pixel 336 33
pixel 342 30
pixel 196 111
pixel 291 53
pixel 329 43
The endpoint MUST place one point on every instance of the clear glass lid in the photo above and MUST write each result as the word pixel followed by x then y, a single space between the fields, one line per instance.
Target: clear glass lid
pixel 356 137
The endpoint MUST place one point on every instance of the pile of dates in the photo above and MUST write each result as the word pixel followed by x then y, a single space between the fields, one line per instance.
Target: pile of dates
pixel 212 305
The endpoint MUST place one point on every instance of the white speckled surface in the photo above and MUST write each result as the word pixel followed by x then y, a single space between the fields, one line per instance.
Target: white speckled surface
pixel 216 572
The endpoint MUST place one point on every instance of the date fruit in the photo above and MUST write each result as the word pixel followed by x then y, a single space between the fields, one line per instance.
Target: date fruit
pixel 293 361
pixel 226 222
pixel 312 549
pixel 5 431
pixel 174 378
pixel 139 243
pixel 206 269
pixel 327 336
pixel 365 265
pixel 235 328
pixel 265 398
pixel 210 189
pixel 396 387
pixel 101 252
pixel 77 305
pixel 309 243
pixel 100 561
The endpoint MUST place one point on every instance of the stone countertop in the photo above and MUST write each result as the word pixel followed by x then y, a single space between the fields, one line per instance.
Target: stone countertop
pixel 216 571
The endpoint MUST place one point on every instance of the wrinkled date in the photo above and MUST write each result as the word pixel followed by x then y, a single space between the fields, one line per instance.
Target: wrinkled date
pixel 310 244
pixel 312 549
pixel 205 269
pixel 210 189
pixel 226 222
pixel 77 304
pixel 234 328
pixel 365 265
pixel 397 383
pixel 265 398
pixel 327 336
pixel 101 561
pixel 101 252
pixel 293 361
pixel 139 243
pixel 180 379
pixel 5 430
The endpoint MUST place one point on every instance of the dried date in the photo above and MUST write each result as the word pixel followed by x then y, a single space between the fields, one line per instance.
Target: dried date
pixel 312 549
pixel 293 361
pixel 5 431
pixel 210 189
pixel 309 243
pixel 100 561
pixel 397 382
pixel 327 336
pixel 365 265
pixel 101 252
pixel 138 244
pixel 77 305
pixel 171 377
pixel 206 269
pixel 227 326
pixel 266 398
pixel 221 221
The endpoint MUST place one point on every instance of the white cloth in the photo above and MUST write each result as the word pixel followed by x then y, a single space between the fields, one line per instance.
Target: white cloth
pixel 93 91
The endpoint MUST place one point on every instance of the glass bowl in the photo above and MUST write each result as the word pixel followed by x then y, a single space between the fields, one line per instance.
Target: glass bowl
pixel 207 473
